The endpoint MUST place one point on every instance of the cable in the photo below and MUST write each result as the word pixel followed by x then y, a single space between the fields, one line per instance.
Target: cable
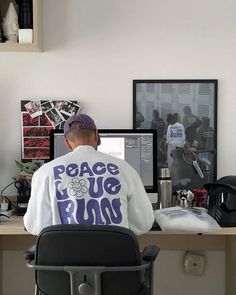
pixel 1 194
pixel 6 198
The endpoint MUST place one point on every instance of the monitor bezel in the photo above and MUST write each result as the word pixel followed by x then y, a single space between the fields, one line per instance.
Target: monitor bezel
pixel 154 188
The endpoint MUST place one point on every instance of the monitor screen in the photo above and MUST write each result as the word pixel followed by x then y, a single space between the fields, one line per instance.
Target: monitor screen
pixel 138 147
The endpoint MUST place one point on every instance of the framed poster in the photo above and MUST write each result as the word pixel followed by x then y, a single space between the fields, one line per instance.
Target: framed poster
pixel 184 113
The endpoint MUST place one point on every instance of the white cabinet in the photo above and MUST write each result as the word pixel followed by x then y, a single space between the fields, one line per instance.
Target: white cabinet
pixel 36 45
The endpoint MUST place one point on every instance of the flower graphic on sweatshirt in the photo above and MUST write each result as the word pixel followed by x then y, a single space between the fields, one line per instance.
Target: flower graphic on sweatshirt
pixel 77 187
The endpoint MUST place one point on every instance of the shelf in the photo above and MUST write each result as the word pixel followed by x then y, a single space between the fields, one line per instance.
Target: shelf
pixel 36 45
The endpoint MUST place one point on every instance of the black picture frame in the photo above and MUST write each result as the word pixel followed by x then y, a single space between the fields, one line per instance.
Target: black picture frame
pixel 158 104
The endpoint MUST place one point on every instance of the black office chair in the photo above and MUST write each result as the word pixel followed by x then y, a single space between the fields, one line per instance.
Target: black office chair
pixel 91 260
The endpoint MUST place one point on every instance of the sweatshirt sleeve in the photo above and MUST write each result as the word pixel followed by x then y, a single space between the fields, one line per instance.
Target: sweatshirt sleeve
pixel 38 214
pixel 140 211
pixel 168 134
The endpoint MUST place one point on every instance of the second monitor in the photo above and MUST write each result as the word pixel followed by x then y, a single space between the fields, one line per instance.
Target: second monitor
pixel 137 146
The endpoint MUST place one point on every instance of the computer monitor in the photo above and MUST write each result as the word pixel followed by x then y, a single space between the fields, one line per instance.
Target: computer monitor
pixel 137 146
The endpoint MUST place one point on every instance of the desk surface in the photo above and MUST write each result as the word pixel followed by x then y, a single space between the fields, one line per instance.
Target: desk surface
pixel 14 237
pixel 14 226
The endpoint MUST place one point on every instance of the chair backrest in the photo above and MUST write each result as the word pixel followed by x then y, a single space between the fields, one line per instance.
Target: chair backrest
pixel 88 245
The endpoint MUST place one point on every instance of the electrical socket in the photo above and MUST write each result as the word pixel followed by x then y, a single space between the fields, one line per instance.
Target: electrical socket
pixel 194 263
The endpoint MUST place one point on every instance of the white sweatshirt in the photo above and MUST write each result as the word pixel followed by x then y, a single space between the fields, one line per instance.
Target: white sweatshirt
pixel 88 187
pixel 175 135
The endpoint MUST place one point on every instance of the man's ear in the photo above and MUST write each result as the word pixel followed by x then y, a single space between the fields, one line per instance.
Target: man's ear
pixel 67 143
pixel 98 140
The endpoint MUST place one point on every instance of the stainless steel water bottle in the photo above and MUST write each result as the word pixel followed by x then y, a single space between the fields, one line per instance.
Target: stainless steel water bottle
pixel 165 195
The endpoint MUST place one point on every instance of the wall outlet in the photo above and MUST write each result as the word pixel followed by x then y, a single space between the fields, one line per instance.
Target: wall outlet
pixel 194 263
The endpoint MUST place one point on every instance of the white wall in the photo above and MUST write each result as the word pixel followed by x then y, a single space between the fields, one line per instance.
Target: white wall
pixel 93 49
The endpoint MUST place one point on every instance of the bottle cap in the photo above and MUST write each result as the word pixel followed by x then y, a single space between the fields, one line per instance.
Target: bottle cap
pixel 164 173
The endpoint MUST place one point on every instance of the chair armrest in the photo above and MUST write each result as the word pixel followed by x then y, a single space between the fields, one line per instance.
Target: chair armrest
pixel 150 253
pixel 30 253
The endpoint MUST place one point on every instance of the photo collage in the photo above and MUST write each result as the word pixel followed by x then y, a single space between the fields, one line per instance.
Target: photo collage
pixel 38 118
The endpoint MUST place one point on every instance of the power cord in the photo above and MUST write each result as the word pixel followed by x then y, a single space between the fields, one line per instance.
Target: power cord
pixel 4 198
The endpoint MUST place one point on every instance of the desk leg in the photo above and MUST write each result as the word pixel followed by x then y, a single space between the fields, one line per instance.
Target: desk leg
pixel 230 265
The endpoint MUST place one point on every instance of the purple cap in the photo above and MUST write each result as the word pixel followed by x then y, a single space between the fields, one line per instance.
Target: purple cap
pixel 85 121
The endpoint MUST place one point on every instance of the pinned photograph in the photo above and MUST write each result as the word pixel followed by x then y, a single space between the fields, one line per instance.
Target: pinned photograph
pixel 36 153
pixel 36 131
pixel 34 108
pixel 61 126
pixel 65 116
pixel 70 108
pixel 27 120
pixel 46 106
pixel 36 142
pixel 58 104
pixel 44 120
pixel 55 117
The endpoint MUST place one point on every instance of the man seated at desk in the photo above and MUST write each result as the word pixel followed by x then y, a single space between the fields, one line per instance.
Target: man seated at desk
pixel 87 187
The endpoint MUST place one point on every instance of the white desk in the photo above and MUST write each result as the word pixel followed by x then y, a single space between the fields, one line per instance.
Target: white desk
pixel 14 237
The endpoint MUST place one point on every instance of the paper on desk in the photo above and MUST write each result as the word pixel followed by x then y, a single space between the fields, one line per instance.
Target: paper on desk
pixel 194 220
